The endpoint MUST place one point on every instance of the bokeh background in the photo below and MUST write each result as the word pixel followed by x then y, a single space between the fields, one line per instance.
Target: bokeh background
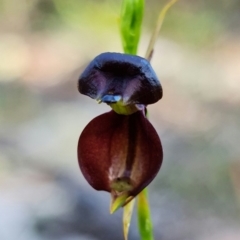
pixel 44 46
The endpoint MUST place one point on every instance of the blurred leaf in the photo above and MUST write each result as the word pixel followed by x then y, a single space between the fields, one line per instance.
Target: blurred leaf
pixel 87 14
pixel 130 24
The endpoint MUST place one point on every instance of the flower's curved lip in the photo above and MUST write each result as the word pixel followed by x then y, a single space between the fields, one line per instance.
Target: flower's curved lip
pixel 139 83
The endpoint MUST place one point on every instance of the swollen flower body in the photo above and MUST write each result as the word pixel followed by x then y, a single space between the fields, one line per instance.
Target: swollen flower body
pixel 120 151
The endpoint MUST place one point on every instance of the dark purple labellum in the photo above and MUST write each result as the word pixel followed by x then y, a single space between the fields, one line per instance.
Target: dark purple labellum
pixel 120 153
pixel 126 77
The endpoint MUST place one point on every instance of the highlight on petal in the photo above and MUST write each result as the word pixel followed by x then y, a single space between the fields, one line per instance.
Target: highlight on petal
pixel 128 78
pixel 120 154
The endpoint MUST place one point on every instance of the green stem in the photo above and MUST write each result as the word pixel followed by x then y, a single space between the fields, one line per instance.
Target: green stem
pixel 130 24
pixel 130 28
pixel 144 216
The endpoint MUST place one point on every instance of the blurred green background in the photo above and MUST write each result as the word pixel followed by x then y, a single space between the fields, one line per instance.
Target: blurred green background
pixel 45 45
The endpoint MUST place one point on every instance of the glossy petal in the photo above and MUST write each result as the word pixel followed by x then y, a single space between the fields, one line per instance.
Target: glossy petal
pixel 126 76
pixel 119 154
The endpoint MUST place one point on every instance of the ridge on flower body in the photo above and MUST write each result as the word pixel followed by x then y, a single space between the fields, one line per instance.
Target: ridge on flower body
pixel 120 151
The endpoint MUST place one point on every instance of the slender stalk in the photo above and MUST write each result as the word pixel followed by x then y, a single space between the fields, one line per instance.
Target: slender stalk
pixel 156 31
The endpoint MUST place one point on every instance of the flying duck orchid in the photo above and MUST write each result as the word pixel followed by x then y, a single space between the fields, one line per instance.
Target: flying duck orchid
pixel 120 151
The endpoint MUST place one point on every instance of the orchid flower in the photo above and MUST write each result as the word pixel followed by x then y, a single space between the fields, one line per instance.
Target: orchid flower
pixel 120 151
